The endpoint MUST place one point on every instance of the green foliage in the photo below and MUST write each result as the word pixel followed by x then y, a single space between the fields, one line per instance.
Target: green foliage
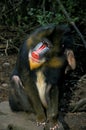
pixel 48 17
pixel 20 15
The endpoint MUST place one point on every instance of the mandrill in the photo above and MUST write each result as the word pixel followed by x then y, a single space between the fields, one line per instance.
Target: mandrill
pixel 42 61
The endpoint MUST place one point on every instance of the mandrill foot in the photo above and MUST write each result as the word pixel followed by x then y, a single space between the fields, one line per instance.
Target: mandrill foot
pixel 54 127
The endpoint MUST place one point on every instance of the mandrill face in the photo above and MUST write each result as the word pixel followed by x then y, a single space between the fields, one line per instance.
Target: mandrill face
pixel 47 54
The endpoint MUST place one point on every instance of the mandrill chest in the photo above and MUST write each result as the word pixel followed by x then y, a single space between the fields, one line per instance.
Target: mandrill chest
pixel 46 79
pixel 41 87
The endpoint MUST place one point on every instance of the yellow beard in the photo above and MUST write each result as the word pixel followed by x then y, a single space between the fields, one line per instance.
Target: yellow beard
pixel 34 63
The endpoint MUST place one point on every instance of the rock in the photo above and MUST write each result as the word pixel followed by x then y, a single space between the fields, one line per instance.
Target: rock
pixel 22 121
pixel 6 65
pixel 15 121
pixel 76 121
pixel 4 85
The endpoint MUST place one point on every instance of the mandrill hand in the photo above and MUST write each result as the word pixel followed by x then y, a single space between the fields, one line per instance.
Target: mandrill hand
pixel 17 82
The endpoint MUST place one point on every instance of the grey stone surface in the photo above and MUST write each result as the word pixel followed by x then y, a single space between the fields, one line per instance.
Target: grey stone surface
pixel 22 121
pixel 16 121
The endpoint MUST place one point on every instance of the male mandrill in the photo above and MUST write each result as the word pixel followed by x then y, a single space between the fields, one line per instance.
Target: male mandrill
pixel 42 61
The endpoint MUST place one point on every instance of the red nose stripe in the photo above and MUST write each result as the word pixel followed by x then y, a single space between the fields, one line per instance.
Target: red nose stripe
pixel 36 53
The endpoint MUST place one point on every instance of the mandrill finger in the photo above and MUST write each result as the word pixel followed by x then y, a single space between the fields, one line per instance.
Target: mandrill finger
pixel 41 124
pixel 16 80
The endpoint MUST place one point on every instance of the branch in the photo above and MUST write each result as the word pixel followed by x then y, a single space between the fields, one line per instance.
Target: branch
pixel 71 22
pixel 6 48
